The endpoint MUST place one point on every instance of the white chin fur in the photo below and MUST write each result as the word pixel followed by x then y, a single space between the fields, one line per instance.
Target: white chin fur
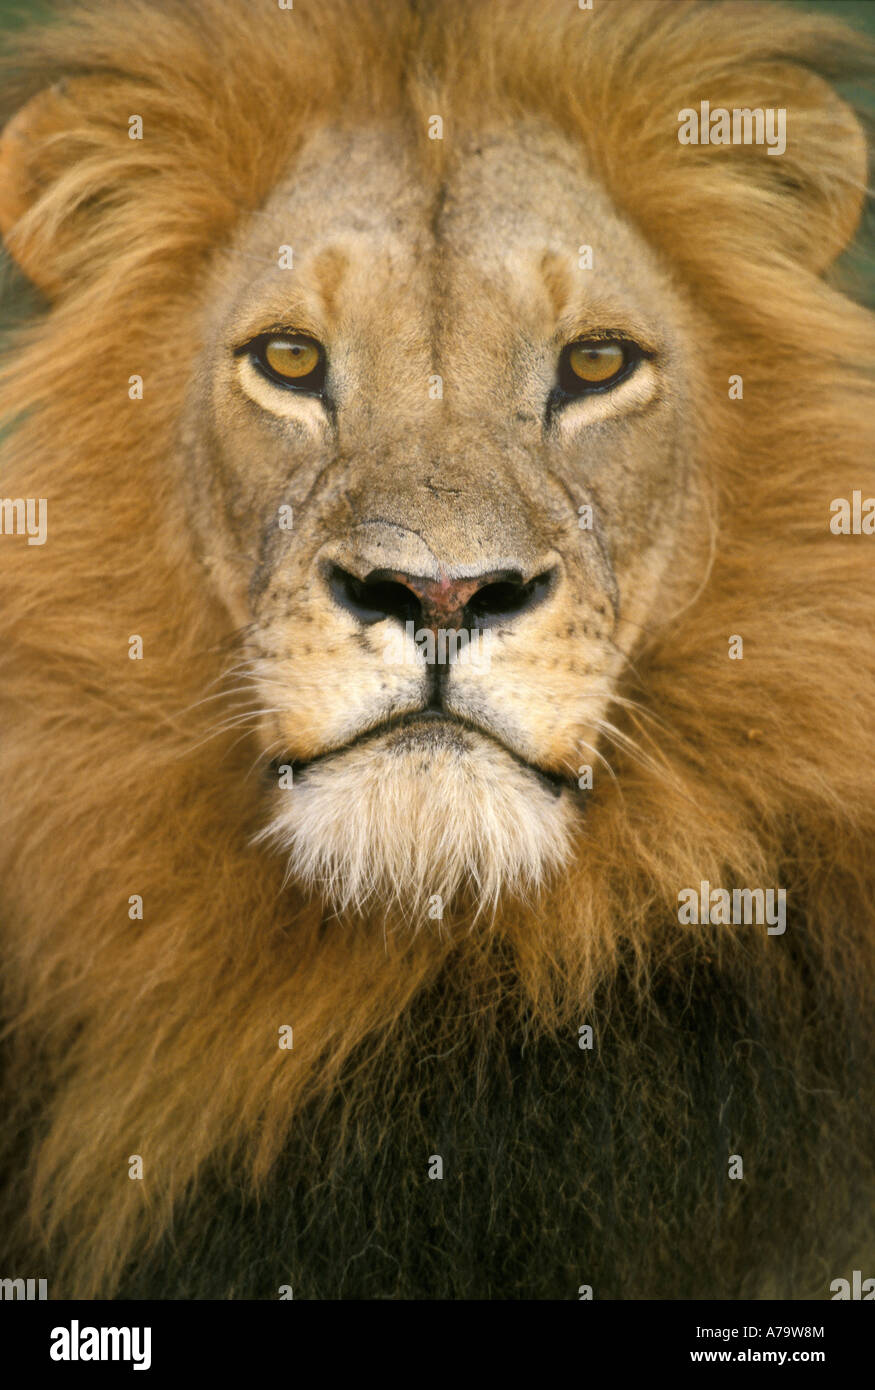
pixel 413 818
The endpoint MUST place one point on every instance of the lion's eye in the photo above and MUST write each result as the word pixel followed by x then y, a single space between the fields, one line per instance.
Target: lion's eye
pixel 293 361
pixel 596 365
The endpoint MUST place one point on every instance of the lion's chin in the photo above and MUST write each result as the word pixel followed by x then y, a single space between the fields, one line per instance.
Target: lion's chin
pixel 419 818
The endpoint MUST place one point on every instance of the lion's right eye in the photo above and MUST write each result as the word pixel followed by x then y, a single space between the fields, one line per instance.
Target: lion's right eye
pixel 293 361
pixel 597 364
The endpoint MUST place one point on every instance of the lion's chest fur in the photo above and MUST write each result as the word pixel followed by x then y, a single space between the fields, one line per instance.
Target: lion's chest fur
pixel 561 1167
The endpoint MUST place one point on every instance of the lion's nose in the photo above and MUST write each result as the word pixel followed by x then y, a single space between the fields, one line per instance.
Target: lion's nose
pixel 477 601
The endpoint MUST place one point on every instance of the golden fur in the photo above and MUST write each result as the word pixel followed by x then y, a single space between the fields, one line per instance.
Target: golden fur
pixel 160 1037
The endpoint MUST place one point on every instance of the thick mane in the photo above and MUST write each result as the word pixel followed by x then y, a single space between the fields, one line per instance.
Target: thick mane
pixel 159 1037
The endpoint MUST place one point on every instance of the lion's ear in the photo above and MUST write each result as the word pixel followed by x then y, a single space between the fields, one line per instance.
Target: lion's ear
pixel 801 197
pixel 837 183
pixel 32 159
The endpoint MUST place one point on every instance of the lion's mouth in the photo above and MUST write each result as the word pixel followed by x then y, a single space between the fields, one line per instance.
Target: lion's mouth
pixel 430 722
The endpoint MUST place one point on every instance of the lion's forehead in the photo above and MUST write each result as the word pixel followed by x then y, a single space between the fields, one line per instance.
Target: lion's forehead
pixel 369 211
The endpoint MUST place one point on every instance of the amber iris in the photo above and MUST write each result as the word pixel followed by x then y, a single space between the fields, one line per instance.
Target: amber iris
pixel 596 363
pixel 291 358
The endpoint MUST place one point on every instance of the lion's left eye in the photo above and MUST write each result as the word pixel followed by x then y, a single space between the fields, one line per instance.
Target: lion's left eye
pixel 596 364
pixel 291 361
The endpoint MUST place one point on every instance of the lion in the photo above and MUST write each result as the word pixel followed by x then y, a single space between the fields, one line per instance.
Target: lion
pixel 436 855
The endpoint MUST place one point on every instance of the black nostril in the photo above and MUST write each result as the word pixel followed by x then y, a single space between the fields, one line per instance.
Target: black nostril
pixel 372 601
pixel 508 598
pixel 476 601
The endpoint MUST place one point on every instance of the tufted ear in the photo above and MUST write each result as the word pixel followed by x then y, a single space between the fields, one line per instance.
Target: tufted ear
pixel 33 158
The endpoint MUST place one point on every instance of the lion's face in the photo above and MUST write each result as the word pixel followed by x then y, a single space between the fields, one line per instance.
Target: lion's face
pixel 405 442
